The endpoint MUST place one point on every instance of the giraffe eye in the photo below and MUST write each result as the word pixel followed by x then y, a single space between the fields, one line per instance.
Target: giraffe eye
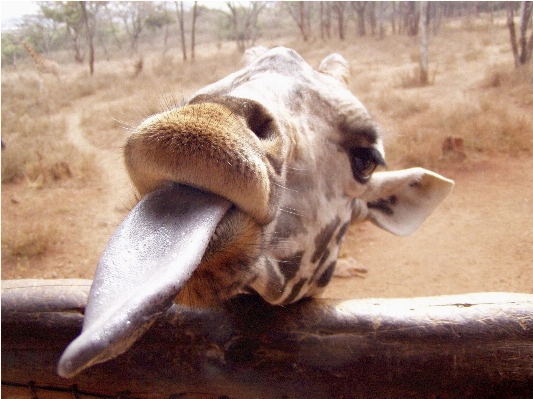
pixel 364 161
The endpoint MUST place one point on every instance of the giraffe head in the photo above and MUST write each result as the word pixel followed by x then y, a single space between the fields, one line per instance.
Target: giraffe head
pixel 248 188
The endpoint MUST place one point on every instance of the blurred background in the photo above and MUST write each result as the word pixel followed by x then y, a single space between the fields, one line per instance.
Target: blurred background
pixel 451 83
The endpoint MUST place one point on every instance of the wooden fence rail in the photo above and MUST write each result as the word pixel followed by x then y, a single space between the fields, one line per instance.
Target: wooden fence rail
pixel 461 346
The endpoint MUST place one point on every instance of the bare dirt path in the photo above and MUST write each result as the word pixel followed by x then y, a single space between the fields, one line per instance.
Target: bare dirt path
pixel 73 221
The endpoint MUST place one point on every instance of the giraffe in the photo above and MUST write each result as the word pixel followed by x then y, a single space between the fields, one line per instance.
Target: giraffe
pixel 44 66
pixel 248 188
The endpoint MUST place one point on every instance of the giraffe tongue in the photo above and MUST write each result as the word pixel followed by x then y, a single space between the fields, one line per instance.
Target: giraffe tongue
pixel 145 264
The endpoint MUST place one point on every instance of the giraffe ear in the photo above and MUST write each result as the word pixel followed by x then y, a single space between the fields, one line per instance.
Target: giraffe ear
pixel 400 201
pixel 335 65
pixel 253 54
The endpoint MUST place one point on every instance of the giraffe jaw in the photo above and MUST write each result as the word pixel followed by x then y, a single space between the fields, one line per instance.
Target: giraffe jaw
pixel 133 285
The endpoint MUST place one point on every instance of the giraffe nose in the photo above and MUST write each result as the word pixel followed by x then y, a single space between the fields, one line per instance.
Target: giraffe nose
pixel 206 146
pixel 146 263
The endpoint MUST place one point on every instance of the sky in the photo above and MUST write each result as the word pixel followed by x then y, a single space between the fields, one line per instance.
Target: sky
pixel 15 9
pixel 11 10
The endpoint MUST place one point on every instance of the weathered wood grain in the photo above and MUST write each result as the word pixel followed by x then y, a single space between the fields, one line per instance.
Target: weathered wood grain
pixel 463 346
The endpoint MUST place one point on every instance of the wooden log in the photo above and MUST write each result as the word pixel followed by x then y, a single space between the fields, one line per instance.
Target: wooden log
pixel 462 346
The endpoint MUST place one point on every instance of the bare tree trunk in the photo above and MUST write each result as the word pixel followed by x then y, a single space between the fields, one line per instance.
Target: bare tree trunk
pixel 360 7
pixel 372 18
pixel 412 18
pixel 89 36
pixel 325 20
pixel 235 23
pixel 512 32
pixel 300 15
pixel 165 39
pixel 393 17
pixel 424 7
pixel 436 16
pixel 381 26
pixel 525 45
pixel 522 47
pixel 193 33
pixel 179 11
pixel 244 21
pixel 339 10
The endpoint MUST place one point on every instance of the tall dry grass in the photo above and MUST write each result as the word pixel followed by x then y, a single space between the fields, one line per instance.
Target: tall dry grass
pixel 34 130
pixel 30 241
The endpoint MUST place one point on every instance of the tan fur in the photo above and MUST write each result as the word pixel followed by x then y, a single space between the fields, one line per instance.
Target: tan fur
pixel 180 146
pixel 225 266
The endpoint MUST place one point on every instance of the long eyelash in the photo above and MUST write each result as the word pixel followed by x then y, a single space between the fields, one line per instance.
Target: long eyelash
pixel 285 188
pixel 293 211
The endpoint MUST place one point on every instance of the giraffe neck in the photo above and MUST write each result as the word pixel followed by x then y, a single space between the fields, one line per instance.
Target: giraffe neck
pixel 38 59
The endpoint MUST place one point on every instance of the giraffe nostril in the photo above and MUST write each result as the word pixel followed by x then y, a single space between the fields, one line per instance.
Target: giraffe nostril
pixel 264 131
pixel 259 120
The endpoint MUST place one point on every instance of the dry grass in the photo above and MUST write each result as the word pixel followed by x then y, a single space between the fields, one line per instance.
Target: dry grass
pixel 488 125
pixel 29 242
pixel 39 154
pixel 475 93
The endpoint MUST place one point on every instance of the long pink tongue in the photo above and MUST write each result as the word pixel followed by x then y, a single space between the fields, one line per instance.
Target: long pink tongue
pixel 146 263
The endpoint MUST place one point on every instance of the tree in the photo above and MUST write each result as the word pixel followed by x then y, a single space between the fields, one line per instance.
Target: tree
pixel 159 18
pixel 244 22
pixel 10 44
pixel 393 17
pixel 181 21
pixel 360 7
pixel 301 14
pixel 89 20
pixel 133 15
pixel 325 20
pixel 44 33
pixel 435 12
pixel 68 13
pixel 522 47
pixel 380 16
pixel 339 7
pixel 372 17
pixel 424 12
pixel 411 18
pixel 195 14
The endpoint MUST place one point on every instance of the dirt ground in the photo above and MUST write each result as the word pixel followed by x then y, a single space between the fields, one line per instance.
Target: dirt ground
pixel 480 239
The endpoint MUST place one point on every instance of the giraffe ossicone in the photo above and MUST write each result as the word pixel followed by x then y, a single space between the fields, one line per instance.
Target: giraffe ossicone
pixel 248 188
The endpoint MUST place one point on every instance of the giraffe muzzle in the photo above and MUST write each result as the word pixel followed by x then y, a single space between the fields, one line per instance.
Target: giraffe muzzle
pixel 147 261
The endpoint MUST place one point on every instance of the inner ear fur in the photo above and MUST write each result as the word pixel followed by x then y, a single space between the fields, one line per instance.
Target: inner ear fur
pixel 252 54
pixel 400 201
pixel 335 65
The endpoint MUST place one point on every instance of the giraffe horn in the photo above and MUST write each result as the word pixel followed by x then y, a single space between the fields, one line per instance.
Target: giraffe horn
pixel 146 263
